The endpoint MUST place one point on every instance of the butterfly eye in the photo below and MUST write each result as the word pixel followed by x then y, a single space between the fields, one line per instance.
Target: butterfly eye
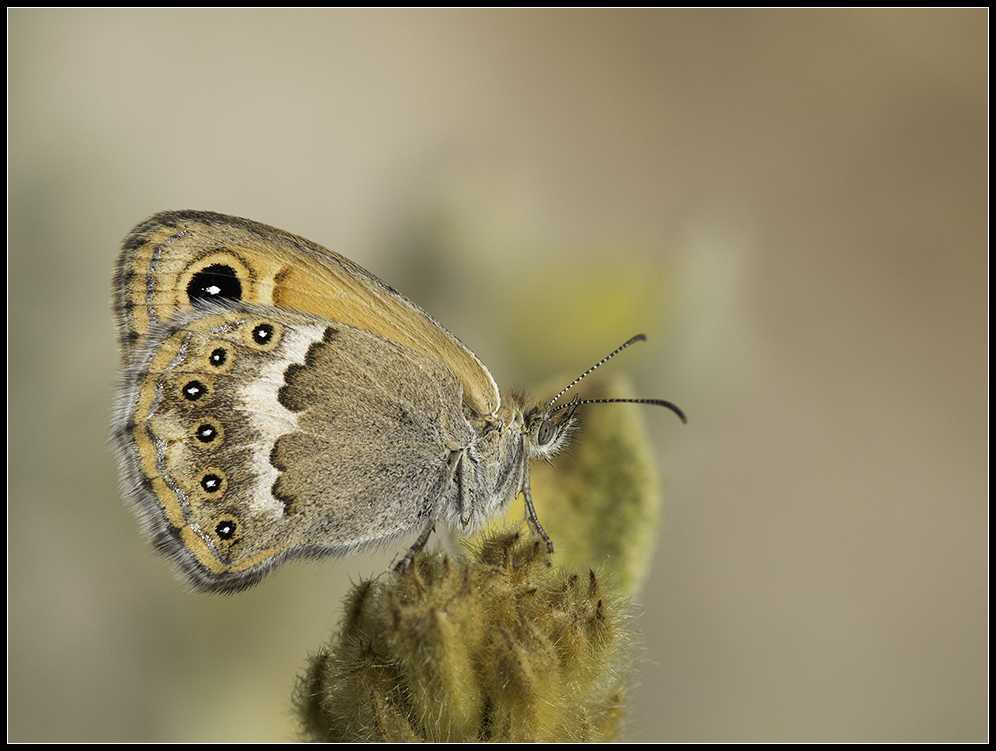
pixel 547 432
pixel 216 282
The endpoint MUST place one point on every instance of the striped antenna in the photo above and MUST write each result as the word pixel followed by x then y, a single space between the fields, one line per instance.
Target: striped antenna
pixel 550 409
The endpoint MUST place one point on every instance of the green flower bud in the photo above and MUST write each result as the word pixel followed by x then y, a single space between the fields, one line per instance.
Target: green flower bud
pixel 495 647
pixel 499 645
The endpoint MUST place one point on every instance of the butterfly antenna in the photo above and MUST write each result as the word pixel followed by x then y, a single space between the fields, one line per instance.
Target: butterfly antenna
pixel 658 402
pixel 572 384
pixel 576 402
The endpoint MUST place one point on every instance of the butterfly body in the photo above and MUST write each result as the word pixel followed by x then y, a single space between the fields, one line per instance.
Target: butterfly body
pixel 276 400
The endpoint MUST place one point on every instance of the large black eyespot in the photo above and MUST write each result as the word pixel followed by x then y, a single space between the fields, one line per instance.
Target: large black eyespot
pixel 547 432
pixel 211 483
pixel 193 390
pixel 215 282
pixel 218 357
pixel 226 529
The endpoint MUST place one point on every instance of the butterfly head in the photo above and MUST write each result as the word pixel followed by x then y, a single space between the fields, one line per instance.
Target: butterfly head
pixel 550 429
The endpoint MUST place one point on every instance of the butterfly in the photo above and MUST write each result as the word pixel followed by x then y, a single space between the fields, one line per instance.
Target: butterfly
pixel 276 400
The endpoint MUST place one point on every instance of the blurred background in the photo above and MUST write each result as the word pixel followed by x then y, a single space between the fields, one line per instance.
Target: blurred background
pixel 792 205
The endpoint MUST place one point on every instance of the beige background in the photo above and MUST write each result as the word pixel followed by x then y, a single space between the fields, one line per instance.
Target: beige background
pixel 792 205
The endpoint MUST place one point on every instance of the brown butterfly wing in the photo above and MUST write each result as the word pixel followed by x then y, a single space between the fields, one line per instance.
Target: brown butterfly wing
pixel 176 258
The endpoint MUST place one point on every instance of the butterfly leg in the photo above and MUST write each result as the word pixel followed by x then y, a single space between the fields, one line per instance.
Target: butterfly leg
pixel 456 460
pixel 423 538
pixel 530 509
